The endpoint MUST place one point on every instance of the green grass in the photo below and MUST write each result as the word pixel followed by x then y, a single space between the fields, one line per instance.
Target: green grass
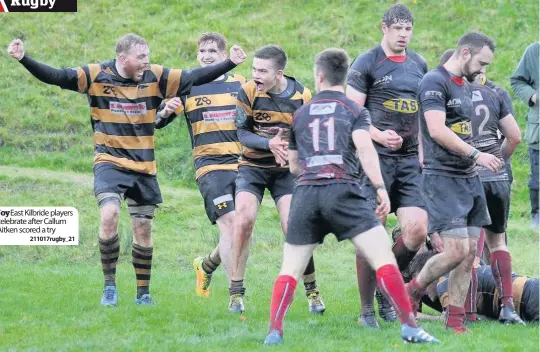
pixel 49 295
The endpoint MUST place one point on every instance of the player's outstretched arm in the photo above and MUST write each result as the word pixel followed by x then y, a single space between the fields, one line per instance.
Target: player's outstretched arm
pixel 512 135
pixel 66 78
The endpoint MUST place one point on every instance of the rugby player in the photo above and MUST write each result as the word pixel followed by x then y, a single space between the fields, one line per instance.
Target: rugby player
pixel 326 135
pixel 491 115
pixel 385 80
pixel 452 191
pixel 124 94
pixel 265 107
pixel 209 111
pixel 526 291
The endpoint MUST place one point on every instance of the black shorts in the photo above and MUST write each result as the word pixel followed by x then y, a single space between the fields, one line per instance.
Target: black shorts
pixel 252 179
pixel 453 203
pixel 337 208
pixel 402 177
pixel 142 188
pixel 498 202
pixel 217 189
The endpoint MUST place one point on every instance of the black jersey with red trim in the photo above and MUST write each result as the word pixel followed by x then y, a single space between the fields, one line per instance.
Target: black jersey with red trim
pixel 321 132
pixel 391 84
pixel 441 91
pixel 489 108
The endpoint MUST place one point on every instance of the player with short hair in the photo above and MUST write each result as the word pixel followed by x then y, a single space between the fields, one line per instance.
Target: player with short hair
pixel 491 116
pixel 385 80
pixel 326 135
pixel 452 191
pixel 124 94
pixel 265 107
pixel 210 110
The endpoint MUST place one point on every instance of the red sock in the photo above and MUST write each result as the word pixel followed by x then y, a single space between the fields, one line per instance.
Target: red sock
pixel 403 254
pixel 470 302
pixel 282 297
pixel 480 244
pixel 501 266
pixel 392 286
pixel 366 283
pixel 455 319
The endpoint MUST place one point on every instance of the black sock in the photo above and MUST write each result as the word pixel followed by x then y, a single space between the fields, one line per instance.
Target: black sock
pixel 237 288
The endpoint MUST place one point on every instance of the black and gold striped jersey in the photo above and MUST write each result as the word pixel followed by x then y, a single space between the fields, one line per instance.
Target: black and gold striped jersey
pixel 124 111
pixel 265 114
pixel 210 111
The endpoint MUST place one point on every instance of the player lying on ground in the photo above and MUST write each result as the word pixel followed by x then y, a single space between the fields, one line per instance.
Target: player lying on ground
pixel 491 116
pixel 525 290
pixel 264 113
pixel 209 110
pixel 326 135
pixel 385 80
pixel 124 94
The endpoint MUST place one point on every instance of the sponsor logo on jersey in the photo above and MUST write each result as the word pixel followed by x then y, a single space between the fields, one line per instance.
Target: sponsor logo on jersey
pixel 477 95
pixel 463 127
pixel 454 103
pixel 407 106
pixel 130 109
pixel 322 109
pixel 385 79
pixel 219 116
pixel 433 93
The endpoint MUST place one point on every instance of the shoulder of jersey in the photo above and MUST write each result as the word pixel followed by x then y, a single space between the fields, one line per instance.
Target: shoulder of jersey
pixel 371 53
pixel 235 77
pixel 415 56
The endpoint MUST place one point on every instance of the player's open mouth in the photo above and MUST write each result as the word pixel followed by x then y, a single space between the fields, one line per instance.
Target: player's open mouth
pixel 259 84
pixel 208 62
pixel 402 42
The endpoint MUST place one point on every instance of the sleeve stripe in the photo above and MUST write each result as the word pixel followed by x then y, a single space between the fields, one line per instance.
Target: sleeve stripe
pixel 82 80
pixel 173 82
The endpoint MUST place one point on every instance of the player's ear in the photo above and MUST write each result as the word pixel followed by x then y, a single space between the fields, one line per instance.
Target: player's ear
pixel 279 74
pixel 122 59
pixel 384 28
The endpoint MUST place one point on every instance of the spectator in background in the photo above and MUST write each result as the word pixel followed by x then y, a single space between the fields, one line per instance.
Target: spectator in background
pixel 525 85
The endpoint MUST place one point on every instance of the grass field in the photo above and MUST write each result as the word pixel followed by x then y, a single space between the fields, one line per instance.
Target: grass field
pixel 49 296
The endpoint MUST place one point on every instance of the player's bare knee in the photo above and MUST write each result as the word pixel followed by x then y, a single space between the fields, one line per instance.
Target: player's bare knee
pixel 142 229
pixel 456 249
pixel 109 213
pixel 415 234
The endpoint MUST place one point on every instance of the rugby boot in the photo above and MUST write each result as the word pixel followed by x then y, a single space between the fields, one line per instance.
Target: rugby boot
pixel 273 338
pixel 368 320
pixel 236 303
pixel 416 335
pixel 509 316
pixel 315 302
pixel 109 297
pixel 386 311
pixel 202 287
pixel 145 300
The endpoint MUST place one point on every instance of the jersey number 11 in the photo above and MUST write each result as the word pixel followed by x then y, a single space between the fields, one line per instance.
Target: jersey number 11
pixel 315 126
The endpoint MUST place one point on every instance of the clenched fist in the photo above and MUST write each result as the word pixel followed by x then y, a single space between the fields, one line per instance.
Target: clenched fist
pixel 237 54
pixel 171 106
pixel 16 49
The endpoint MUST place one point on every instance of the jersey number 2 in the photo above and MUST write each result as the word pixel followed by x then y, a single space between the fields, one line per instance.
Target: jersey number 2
pixel 478 111
pixel 315 126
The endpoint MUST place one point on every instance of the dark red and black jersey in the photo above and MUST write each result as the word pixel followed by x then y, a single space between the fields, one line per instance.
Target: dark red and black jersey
pixel 321 132
pixel 441 91
pixel 489 107
pixel 391 84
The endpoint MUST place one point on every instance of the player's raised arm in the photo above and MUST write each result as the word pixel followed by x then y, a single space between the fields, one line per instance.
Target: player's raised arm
pixel 75 79
pixel 185 79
